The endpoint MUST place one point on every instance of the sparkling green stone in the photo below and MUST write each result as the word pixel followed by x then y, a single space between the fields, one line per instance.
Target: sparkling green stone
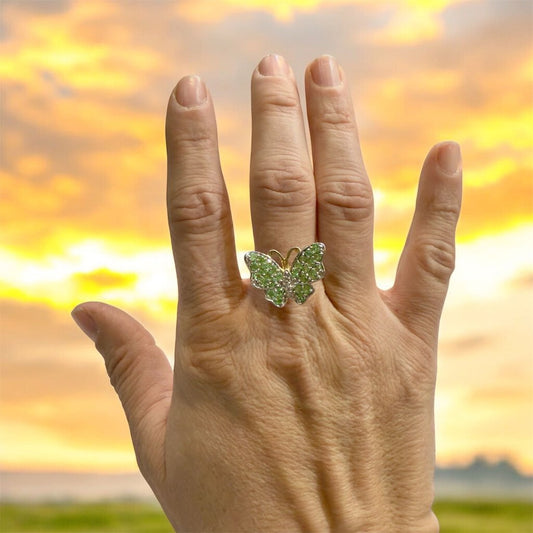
pixel 295 280
pixel 277 295
pixel 301 292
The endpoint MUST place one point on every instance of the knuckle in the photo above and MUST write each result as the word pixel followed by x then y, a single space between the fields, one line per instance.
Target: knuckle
pixel 192 132
pixel 415 373
pixel 279 102
pixel 445 210
pixel 283 185
pixel 411 389
pixel 350 200
pixel 336 117
pixel 211 366
pixel 293 361
pixel 198 297
pixel 421 371
pixel 403 393
pixel 436 257
pixel 289 363
pixel 207 357
pixel 196 210
pixel 120 366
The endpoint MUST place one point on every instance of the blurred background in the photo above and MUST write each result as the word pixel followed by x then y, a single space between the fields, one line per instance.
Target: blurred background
pixel 84 87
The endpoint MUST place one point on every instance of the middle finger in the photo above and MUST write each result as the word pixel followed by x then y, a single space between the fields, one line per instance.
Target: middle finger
pixel 282 186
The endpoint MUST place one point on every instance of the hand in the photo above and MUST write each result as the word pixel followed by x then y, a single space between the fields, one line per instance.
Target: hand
pixel 314 417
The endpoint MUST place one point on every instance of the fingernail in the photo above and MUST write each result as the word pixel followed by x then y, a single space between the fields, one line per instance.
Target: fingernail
pixel 449 157
pixel 273 65
pixel 191 91
pixel 85 322
pixel 325 72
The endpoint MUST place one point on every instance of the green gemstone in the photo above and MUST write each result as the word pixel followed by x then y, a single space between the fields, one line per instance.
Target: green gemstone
pixel 277 295
pixel 301 292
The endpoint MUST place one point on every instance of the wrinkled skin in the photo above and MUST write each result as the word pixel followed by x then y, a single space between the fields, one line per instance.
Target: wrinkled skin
pixel 314 417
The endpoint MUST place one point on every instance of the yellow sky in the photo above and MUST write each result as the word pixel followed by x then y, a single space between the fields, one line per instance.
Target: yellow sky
pixel 82 170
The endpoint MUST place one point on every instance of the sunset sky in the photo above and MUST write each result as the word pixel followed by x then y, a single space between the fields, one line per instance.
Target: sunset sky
pixel 84 87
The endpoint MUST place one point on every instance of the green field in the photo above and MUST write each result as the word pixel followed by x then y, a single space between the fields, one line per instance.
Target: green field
pixel 128 517
pixel 484 517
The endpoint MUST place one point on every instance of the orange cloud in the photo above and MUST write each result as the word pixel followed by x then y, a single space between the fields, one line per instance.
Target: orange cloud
pixel 85 86
pixel 55 392
pixel 210 11
pixel 58 47
pixel 485 370
pixel 103 278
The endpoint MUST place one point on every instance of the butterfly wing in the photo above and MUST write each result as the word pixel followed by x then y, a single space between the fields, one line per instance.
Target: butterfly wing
pixel 306 269
pixel 266 274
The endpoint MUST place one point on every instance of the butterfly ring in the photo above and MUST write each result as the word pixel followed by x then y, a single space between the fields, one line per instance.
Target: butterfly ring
pixel 285 280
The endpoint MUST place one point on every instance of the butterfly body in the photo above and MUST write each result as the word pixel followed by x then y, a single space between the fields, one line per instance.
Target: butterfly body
pixel 287 281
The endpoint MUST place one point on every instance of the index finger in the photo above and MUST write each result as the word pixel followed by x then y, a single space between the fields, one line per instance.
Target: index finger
pixel 199 213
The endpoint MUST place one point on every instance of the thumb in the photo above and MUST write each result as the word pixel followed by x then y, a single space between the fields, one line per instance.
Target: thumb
pixel 140 373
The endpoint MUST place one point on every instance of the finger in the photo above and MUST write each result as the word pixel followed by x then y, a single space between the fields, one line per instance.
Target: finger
pixel 198 207
pixel 140 373
pixel 281 179
pixel 428 257
pixel 344 193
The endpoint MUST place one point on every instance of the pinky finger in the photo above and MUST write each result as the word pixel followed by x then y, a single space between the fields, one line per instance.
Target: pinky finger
pixel 428 258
